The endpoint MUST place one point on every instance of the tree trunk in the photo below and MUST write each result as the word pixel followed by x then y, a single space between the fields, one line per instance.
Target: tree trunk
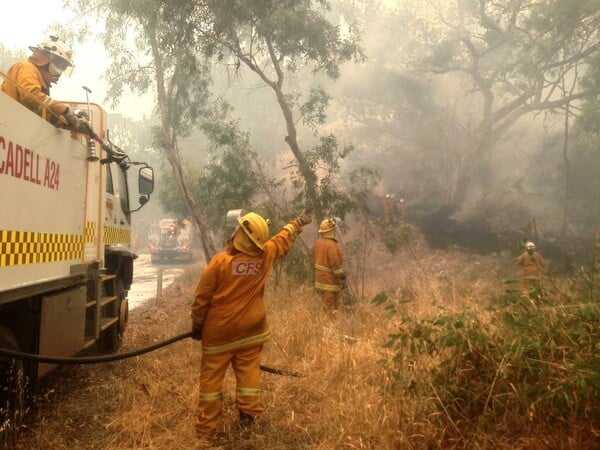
pixel 308 175
pixel 169 145
pixel 207 242
pixel 310 178
pixel 566 174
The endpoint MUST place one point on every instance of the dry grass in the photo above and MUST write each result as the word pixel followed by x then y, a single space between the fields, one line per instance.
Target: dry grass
pixel 346 399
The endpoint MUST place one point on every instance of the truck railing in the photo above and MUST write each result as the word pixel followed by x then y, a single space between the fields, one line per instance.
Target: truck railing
pixel 44 111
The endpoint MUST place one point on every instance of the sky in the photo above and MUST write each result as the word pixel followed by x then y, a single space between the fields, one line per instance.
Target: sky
pixel 24 23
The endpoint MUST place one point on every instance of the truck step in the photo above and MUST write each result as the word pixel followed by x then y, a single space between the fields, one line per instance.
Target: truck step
pixel 89 342
pixel 107 276
pixel 108 299
pixel 107 322
pixel 90 303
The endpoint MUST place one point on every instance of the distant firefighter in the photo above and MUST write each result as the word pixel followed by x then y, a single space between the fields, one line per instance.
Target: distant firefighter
pixel 402 209
pixel 330 277
pixel 390 209
pixel 532 263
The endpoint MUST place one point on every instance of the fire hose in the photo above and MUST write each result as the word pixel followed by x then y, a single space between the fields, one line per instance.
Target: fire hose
pixel 110 148
pixel 118 356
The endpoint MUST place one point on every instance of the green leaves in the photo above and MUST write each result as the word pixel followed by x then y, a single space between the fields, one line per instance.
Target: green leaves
pixel 313 109
pixel 379 299
pixel 536 366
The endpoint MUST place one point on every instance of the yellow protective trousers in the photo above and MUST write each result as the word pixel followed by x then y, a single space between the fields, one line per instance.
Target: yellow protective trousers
pixel 330 302
pixel 246 367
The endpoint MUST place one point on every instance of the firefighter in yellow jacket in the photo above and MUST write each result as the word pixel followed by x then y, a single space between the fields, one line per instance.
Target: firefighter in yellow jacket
pixel 532 263
pixel 29 82
pixel 330 278
pixel 228 315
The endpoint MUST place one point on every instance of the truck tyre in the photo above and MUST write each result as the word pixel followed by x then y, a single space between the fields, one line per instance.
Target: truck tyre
pixel 12 391
pixel 112 338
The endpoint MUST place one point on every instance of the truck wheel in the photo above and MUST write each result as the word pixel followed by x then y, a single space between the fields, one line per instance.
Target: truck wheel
pixel 112 338
pixel 12 391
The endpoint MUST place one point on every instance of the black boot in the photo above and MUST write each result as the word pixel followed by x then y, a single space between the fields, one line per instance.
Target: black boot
pixel 246 419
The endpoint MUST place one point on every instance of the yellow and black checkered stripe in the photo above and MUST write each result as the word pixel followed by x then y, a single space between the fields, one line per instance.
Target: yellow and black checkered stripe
pixel 115 235
pixel 33 247
pixel 89 232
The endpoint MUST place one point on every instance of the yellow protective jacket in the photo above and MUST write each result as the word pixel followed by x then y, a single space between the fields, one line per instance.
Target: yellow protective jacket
pixel 329 272
pixel 229 303
pixel 33 89
pixel 532 264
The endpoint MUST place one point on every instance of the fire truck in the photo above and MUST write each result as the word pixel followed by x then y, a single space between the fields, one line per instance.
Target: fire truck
pixel 171 239
pixel 66 262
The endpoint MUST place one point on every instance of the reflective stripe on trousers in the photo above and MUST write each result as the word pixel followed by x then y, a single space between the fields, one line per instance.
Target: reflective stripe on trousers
pixel 246 367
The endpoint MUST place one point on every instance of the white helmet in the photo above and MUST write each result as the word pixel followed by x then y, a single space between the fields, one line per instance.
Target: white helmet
pixel 61 55
pixel 530 245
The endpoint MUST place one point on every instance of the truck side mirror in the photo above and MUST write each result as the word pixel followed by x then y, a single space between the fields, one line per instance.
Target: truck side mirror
pixel 146 180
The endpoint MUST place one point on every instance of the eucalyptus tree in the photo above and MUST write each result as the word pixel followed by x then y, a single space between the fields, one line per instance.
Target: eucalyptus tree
pixel 276 39
pixel 512 57
pixel 584 188
pixel 224 179
pixel 393 112
pixel 153 46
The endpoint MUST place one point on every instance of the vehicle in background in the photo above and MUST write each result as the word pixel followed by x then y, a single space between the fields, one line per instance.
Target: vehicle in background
pixel 171 240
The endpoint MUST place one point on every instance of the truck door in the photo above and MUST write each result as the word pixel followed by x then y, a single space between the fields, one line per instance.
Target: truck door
pixel 117 221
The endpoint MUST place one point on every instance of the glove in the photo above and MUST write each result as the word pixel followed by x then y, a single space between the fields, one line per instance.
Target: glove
pixel 75 123
pixel 81 114
pixel 304 218
pixel 196 332
pixel 70 117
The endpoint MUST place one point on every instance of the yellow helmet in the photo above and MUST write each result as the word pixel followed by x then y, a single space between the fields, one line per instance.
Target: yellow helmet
pixel 327 225
pixel 255 227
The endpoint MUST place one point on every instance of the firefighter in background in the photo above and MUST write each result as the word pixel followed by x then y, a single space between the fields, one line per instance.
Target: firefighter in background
pixel 389 208
pixel 28 81
pixel 330 278
pixel 228 315
pixel 402 209
pixel 532 263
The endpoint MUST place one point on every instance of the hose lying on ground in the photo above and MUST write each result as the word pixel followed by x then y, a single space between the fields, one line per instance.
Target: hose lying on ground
pixel 118 356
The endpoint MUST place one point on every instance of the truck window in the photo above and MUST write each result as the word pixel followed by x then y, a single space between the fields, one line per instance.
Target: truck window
pixel 109 181
pixel 123 190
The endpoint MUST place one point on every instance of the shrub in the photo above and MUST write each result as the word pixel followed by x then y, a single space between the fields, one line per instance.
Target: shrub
pixel 512 368
pixel 394 235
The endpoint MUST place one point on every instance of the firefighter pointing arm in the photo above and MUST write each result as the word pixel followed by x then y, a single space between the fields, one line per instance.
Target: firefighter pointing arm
pixel 29 82
pixel 228 315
